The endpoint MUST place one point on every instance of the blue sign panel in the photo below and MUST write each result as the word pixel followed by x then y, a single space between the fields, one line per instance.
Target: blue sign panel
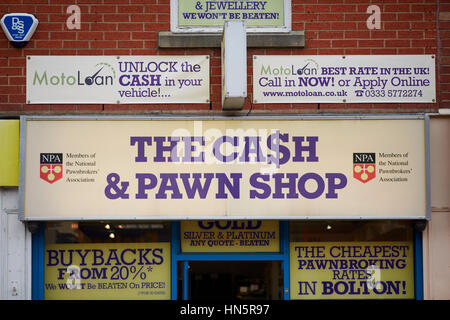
pixel 19 27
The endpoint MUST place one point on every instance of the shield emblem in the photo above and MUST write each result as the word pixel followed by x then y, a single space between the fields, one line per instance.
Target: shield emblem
pixel 51 167
pixel 364 168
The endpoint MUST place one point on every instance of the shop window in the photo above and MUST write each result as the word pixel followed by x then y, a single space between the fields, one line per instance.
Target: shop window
pixel 107 260
pixel 351 231
pixel 351 260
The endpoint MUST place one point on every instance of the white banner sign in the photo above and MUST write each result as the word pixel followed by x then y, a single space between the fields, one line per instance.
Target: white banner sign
pixel 238 169
pixel 117 79
pixel 344 79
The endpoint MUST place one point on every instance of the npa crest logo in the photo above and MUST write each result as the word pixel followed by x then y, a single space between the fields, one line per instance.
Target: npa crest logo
pixel 364 166
pixel 51 168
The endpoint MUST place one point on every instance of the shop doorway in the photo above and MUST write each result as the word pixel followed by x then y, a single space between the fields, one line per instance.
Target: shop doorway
pixel 234 280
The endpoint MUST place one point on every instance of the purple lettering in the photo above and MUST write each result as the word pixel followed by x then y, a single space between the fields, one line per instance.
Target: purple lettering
pixel 142 186
pixel 311 149
pixel 233 187
pixel 141 141
pixel 191 190
pixel 219 142
pixel 260 185
pixel 171 148
pixel 165 186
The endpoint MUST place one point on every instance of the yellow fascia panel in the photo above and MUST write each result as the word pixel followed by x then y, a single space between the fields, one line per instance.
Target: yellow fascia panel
pixel 9 150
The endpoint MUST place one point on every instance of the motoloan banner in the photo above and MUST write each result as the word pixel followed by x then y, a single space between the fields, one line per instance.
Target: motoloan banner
pixel 352 270
pixel 107 271
pixel 117 79
pixel 344 79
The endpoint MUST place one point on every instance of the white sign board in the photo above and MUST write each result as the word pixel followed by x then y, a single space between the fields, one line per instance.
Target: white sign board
pixel 117 79
pixel 236 169
pixel 344 79
pixel 210 15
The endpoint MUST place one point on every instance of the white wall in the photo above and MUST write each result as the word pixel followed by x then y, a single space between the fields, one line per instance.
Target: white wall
pixel 15 249
pixel 436 237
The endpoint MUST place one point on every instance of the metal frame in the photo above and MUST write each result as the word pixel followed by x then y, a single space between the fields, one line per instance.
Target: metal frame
pixel 324 117
pixel 174 27
pixel 418 265
pixel 38 263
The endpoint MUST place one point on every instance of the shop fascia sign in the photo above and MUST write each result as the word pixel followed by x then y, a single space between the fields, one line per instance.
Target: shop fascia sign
pixel 19 27
pixel 224 168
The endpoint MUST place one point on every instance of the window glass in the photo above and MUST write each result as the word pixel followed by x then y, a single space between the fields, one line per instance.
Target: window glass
pixel 351 260
pixel 106 232
pixel 351 231
pixel 107 260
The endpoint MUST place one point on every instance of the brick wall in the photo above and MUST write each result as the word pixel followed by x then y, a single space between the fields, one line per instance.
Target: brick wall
pixel 444 54
pixel 130 27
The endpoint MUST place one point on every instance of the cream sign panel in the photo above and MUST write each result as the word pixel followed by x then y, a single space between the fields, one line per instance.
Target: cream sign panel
pixel 344 79
pixel 117 79
pixel 222 168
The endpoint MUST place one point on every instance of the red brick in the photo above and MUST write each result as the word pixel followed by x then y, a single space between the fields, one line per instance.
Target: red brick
pixel 311 8
pixel 309 17
pixel 116 52
pixel 76 44
pixel 144 52
pixel 144 36
pixel 102 44
pixel 410 34
pixel 103 8
pixel 116 17
pixel 356 17
pixel 344 43
pixel 9 107
pixel 63 35
pixel 130 9
pixel 117 35
pixel 424 43
pixel 319 43
pixel 429 7
pixel 48 44
pixel 343 25
pixel 344 8
pixel 411 51
pixel 331 34
pixel 143 18
pixel 383 34
pixel 397 43
pixel 371 43
pixel 130 27
pixel 326 51
pixel 317 26
pixel 89 35
pixel 20 98
pixel 410 17
pixel 330 17
pixel 62 107
pixel 103 27
pixel 366 51
pixel 90 107
pixel 396 25
pixel 383 51
pixel 395 8
pixel 357 34
pixel 131 44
